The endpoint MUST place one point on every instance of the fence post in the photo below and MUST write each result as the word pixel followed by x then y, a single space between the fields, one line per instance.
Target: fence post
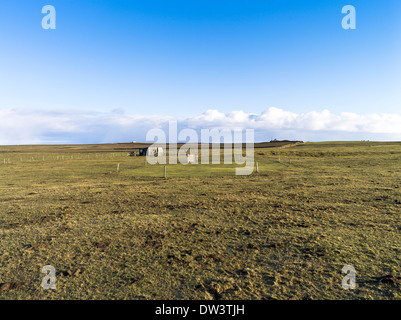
pixel 165 172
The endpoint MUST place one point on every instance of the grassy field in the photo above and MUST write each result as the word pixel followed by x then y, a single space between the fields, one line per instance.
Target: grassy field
pixel 202 233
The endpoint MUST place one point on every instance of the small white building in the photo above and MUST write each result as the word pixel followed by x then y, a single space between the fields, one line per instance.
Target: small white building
pixel 155 151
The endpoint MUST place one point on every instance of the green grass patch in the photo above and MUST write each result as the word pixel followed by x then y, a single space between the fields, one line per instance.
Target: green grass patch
pixel 203 233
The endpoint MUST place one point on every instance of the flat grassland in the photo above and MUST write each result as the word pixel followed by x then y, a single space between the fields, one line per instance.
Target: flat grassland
pixel 203 233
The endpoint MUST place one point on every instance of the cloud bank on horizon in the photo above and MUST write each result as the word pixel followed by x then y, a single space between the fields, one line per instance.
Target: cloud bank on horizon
pixel 22 126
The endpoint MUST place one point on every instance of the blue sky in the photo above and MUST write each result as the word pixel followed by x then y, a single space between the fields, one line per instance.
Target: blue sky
pixel 182 58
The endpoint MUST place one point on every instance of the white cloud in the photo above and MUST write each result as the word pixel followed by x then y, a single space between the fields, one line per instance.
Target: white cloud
pixel 21 126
